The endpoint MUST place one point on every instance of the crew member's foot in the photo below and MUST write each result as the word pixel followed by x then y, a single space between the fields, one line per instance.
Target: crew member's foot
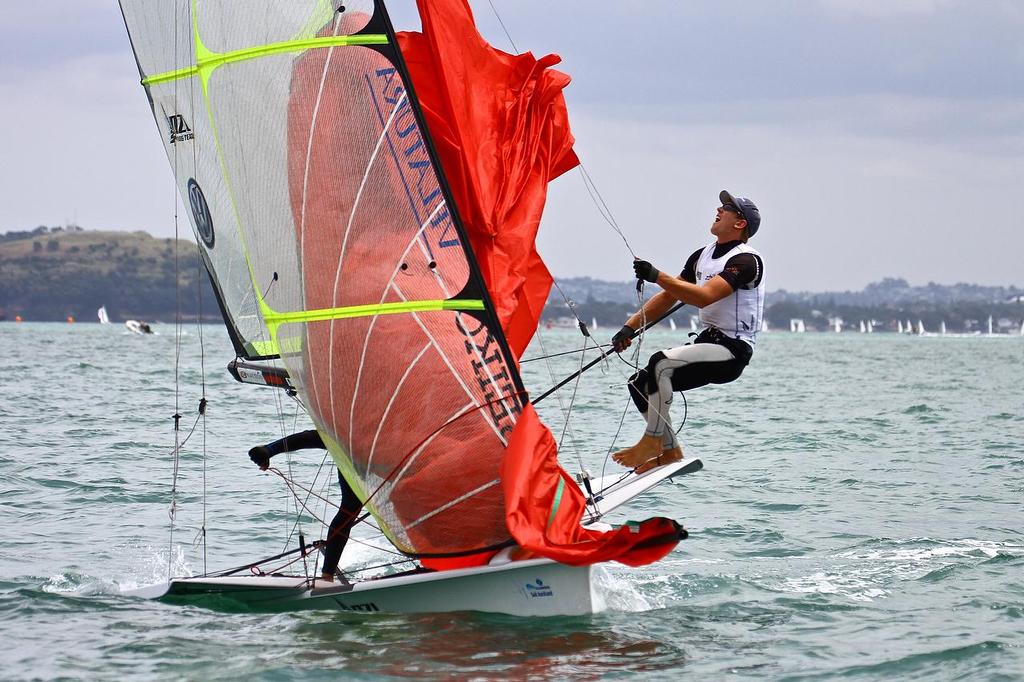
pixel 649 446
pixel 327 576
pixel 666 457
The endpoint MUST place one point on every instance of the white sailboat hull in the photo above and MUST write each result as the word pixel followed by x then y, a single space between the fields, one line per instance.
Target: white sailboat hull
pixel 535 587
pixel 529 587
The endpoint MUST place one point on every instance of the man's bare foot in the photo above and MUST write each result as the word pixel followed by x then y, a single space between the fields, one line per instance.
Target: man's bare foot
pixel 649 446
pixel 666 457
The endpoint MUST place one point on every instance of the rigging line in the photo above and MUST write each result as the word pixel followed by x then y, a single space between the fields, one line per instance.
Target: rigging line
pixel 502 23
pixel 569 303
pixel 572 401
pixel 202 379
pixel 603 355
pixel 177 348
pixel 551 374
pixel 363 518
pixel 309 492
pixel 584 349
pixel 602 207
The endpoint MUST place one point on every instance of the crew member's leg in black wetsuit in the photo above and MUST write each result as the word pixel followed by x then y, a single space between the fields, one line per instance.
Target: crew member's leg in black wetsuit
pixel 341 527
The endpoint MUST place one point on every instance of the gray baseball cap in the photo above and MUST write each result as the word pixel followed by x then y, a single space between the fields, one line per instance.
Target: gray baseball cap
pixel 746 208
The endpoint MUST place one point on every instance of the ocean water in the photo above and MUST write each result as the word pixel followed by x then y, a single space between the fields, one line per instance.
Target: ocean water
pixel 859 517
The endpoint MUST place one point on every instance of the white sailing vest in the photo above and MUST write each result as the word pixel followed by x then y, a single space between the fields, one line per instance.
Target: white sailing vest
pixel 739 314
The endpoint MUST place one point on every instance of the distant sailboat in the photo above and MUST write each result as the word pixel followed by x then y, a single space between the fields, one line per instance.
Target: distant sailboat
pixel 593 323
pixel 764 325
pixel 871 326
pixel 863 327
pixel 942 328
pixel 837 325
pixel 920 328
pixel 102 314
pixel 990 325
pixel 899 326
pixel 797 325
pixel 909 328
pixel 694 323
pixel 671 324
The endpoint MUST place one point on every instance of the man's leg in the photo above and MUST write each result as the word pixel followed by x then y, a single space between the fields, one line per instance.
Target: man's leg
pixel 637 385
pixel 679 368
pixel 341 527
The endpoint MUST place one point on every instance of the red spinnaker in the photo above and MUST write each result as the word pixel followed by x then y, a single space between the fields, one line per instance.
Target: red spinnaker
pixel 501 130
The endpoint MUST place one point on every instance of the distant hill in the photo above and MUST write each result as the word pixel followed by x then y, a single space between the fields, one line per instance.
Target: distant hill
pixel 52 273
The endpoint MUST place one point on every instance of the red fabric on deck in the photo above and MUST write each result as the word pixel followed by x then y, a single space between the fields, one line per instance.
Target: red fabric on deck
pixel 547 523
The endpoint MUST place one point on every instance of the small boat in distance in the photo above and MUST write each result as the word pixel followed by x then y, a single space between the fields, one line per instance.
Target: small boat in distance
pixel 102 314
pixel 137 327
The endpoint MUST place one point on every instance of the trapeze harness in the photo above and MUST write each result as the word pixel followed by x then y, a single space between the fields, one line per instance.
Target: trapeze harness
pixel 341 525
pixel 721 350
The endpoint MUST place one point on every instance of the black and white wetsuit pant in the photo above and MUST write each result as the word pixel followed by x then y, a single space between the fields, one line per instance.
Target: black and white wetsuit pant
pixel 680 369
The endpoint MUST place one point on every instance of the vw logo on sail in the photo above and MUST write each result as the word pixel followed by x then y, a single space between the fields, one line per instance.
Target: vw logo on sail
pixel 200 212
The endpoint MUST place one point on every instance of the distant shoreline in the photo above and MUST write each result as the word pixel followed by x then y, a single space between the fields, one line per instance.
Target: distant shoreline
pixel 53 273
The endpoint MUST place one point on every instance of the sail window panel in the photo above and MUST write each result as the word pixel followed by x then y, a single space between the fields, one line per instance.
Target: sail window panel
pixel 191 147
pixel 409 393
pixel 248 104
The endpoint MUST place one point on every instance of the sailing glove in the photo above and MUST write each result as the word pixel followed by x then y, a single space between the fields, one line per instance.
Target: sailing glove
pixel 621 340
pixel 645 271
pixel 260 456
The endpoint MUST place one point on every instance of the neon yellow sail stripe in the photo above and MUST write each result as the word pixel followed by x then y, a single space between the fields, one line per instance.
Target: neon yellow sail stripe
pixel 207 61
pixel 274 319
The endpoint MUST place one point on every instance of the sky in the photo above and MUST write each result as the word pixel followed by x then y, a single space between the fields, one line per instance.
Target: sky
pixel 878 137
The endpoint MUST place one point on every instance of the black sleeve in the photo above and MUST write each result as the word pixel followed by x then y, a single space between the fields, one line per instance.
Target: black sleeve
pixel 304 440
pixel 689 273
pixel 743 271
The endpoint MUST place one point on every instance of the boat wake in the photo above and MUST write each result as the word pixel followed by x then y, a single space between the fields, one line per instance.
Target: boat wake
pixel 619 591
pixel 143 565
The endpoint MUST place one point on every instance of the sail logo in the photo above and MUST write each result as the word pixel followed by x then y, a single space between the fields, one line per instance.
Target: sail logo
pixel 538 589
pixel 200 213
pixel 497 390
pixel 180 130
pixel 412 159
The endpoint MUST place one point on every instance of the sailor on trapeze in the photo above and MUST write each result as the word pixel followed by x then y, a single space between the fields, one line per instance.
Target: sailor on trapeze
pixel 725 280
pixel 348 510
